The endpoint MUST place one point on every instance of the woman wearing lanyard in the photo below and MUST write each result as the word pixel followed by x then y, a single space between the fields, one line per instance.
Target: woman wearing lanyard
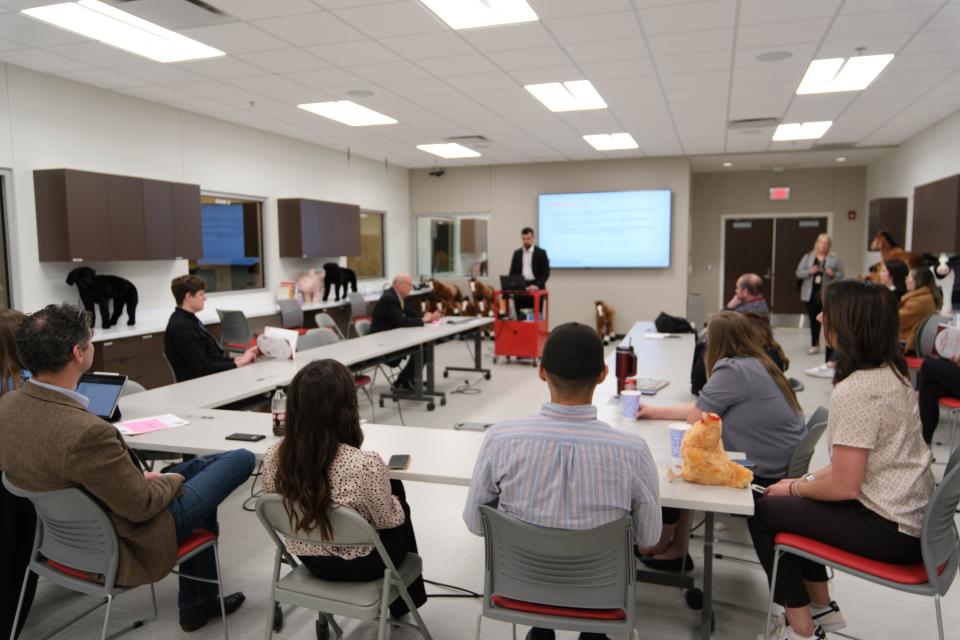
pixel 816 270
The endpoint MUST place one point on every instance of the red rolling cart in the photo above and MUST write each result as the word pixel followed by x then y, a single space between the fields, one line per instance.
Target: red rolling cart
pixel 520 333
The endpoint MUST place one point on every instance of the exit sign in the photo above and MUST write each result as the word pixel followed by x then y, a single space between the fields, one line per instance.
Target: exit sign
pixel 779 193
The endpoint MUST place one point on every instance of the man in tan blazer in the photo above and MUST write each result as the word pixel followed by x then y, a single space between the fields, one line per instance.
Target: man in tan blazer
pixel 49 441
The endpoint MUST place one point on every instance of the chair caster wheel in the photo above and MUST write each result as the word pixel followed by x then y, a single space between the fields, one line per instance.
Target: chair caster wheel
pixel 486 376
pixel 431 407
pixel 446 374
pixel 443 402
pixel 381 403
pixel 277 619
pixel 694 598
pixel 495 359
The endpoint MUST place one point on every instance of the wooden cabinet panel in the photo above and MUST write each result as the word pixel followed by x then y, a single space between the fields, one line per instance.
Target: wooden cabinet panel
pixel 890 215
pixel 87 215
pixel 126 226
pixel 936 216
pixel 317 229
pixel 187 232
pixel 140 358
pixel 50 195
pixel 158 219
pixel 289 229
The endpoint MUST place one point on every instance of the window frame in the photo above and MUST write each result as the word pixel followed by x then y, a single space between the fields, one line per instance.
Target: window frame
pixel 263 200
pixel 383 244
pixel 456 218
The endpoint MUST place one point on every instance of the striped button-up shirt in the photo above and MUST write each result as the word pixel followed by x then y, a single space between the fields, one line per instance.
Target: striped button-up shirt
pixel 564 469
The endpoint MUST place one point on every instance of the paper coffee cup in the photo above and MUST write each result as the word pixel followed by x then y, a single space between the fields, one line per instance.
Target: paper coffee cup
pixel 629 403
pixel 677 431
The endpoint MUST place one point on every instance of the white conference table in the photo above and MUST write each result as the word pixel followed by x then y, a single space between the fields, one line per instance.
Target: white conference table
pixel 446 456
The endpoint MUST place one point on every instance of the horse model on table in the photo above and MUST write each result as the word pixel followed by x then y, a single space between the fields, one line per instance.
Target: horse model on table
pixel 891 250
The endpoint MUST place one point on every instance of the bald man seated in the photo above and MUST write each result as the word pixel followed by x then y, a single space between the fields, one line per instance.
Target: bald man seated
pixel 749 295
pixel 390 312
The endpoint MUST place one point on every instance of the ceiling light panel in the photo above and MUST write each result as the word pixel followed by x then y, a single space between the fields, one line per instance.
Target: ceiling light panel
pixel 348 112
pixel 449 150
pixel 611 141
pixel 123 30
pixel 833 75
pixel 575 95
pixel 470 14
pixel 801 130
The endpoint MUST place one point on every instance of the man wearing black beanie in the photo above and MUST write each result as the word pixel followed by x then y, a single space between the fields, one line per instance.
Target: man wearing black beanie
pixel 563 468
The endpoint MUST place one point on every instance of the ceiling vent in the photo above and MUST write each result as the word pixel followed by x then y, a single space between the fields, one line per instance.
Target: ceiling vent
pixel 472 141
pixel 175 14
pixel 753 123
pixel 834 146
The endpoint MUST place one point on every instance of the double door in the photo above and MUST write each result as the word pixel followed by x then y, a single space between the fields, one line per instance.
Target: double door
pixel 771 248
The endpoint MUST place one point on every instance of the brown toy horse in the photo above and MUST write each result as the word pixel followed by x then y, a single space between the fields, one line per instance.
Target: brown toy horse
pixel 604 318
pixel 890 250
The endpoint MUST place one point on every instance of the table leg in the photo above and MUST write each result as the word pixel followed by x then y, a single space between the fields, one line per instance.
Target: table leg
pixel 477 358
pixel 706 614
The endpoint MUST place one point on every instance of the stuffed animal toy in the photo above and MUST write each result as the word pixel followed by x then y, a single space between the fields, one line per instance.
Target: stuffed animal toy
pixel 946 276
pixel 100 290
pixel 338 278
pixel 310 284
pixel 604 318
pixel 480 292
pixel 445 295
pixel 705 461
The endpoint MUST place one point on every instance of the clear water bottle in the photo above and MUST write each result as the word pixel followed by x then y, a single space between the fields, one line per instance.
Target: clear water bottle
pixel 278 407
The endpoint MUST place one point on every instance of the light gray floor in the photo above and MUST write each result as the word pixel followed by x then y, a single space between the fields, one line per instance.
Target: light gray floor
pixel 453 555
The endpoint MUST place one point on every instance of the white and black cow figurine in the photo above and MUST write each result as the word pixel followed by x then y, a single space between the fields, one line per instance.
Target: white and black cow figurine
pixel 604 318
pixel 945 272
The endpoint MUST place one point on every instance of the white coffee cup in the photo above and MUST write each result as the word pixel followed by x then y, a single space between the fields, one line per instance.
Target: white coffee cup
pixel 629 403
pixel 677 431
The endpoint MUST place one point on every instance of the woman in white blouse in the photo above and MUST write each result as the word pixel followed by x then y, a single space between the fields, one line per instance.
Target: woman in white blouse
pixel 870 500
pixel 319 465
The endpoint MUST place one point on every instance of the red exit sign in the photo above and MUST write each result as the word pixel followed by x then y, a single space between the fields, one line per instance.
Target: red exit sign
pixel 779 193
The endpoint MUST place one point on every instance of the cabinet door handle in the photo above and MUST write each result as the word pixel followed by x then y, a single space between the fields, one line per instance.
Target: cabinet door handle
pixel 146 337
pixel 77 259
pixel 108 344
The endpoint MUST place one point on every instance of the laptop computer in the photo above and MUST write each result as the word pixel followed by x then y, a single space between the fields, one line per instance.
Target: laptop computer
pixel 103 390
pixel 513 283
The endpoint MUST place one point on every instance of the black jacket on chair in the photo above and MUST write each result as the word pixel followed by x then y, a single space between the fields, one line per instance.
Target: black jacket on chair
pixel 390 313
pixel 190 348
pixel 540 264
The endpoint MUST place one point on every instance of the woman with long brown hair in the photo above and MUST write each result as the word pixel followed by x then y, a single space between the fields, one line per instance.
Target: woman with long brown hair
pixel 319 465
pixel 760 412
pixel 12 373
pixel 871 498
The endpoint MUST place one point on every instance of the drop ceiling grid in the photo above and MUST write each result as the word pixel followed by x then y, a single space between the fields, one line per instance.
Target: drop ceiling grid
pixel 673 73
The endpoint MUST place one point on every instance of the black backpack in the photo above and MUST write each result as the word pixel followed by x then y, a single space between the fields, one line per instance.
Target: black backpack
pixel 665 323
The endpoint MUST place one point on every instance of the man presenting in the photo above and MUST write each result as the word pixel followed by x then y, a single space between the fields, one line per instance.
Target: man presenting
pixel 191 351
pixel 49 441
pixel 531 262
pixel 391 312
pixel 563 468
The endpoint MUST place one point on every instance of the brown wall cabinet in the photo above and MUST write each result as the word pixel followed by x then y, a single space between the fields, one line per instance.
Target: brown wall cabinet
pixel 86 216
pixel 890 215
pixel 140 358
pixel 316 229
pixel 936 216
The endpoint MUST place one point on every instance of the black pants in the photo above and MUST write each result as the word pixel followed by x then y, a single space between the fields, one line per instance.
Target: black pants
pixel 847 525
pixel 397 542
pixel 814 307
pixel 17 524
pixel 938 379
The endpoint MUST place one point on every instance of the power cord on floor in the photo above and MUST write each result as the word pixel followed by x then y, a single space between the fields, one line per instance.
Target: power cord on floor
pixel 464 593
pixel 468 388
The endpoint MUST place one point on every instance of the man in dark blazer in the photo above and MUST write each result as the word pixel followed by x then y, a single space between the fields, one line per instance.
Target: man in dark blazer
pixel 390 312
pixel 190 349
pixel 531 262
pixel 49 441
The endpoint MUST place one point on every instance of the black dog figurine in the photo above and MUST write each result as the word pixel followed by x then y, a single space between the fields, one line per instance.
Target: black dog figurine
pixel 337 277
pixel 99 290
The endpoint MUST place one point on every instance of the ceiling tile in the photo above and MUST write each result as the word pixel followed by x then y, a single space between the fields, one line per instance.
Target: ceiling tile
pixel 428 45
pixel 310 28
pixel 869 6
pixel 780 33
pixel 836 48
pixel 284 60
pixel 417 88
pixel 929 41
pixel 393 19
pixel 390 71
pixel 594 28
pixel 561 73
pixel 800 53
pixel 742 142
pixel 442 101
pixel 41 60
pixel 347 54
pixel 618 69
pixel 530 58
pixel 20 28
pixel 794 145
pixel 157 73
pixel 221 68
pixel 253 9
pixel 918 61
pixel 949 87
pixel 516 36
pixel 456 65
pixel 210 89
pixel 904 83
pixel 701 95
pixel 688 17
pixel 785 73
pixel 713 61
pixel 764 11
pixel 818 107
pixel 156 93
pixel 483 81
pixel 103 78
pixel 325 78
pixel 947 18
pixel 98 54
pixel 566 8
pixel 202 106
pixel 694 80
pixel 234 37
pixel 267 83
pixel 881 23
pixel 584 52
pixel 692 42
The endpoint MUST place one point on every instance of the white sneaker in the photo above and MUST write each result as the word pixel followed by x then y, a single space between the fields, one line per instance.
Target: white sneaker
pixel 782 631
pixel 812 351
pixel 823 371
pixel 828 617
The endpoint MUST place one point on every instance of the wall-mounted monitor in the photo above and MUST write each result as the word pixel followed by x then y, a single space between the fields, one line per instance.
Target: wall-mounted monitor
pixel 606 230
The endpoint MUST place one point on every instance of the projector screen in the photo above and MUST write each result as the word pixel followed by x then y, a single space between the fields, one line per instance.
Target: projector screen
pixel 606 230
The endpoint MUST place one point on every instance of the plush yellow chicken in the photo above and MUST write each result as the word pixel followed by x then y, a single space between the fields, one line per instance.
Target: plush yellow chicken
pixel 705 461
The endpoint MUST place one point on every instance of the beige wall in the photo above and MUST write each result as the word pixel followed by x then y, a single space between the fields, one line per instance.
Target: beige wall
pixel 509 193
pixel 745 192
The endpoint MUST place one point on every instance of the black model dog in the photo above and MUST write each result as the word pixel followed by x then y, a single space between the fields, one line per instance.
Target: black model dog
pixel 337 277
pixel 99 290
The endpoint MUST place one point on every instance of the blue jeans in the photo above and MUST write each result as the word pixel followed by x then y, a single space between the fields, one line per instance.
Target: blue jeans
pixel 208 482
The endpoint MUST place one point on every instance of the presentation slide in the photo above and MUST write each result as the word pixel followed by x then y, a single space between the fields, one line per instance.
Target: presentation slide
pixel 606 230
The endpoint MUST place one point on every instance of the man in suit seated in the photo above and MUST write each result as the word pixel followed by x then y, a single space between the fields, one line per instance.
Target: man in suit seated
pixel 49 441
pixel 190 349
pixel 563 468
pixel 390 312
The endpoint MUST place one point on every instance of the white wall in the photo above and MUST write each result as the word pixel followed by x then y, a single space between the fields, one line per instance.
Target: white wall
pixel 509 193
pixel 47 122
pixel 930 155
